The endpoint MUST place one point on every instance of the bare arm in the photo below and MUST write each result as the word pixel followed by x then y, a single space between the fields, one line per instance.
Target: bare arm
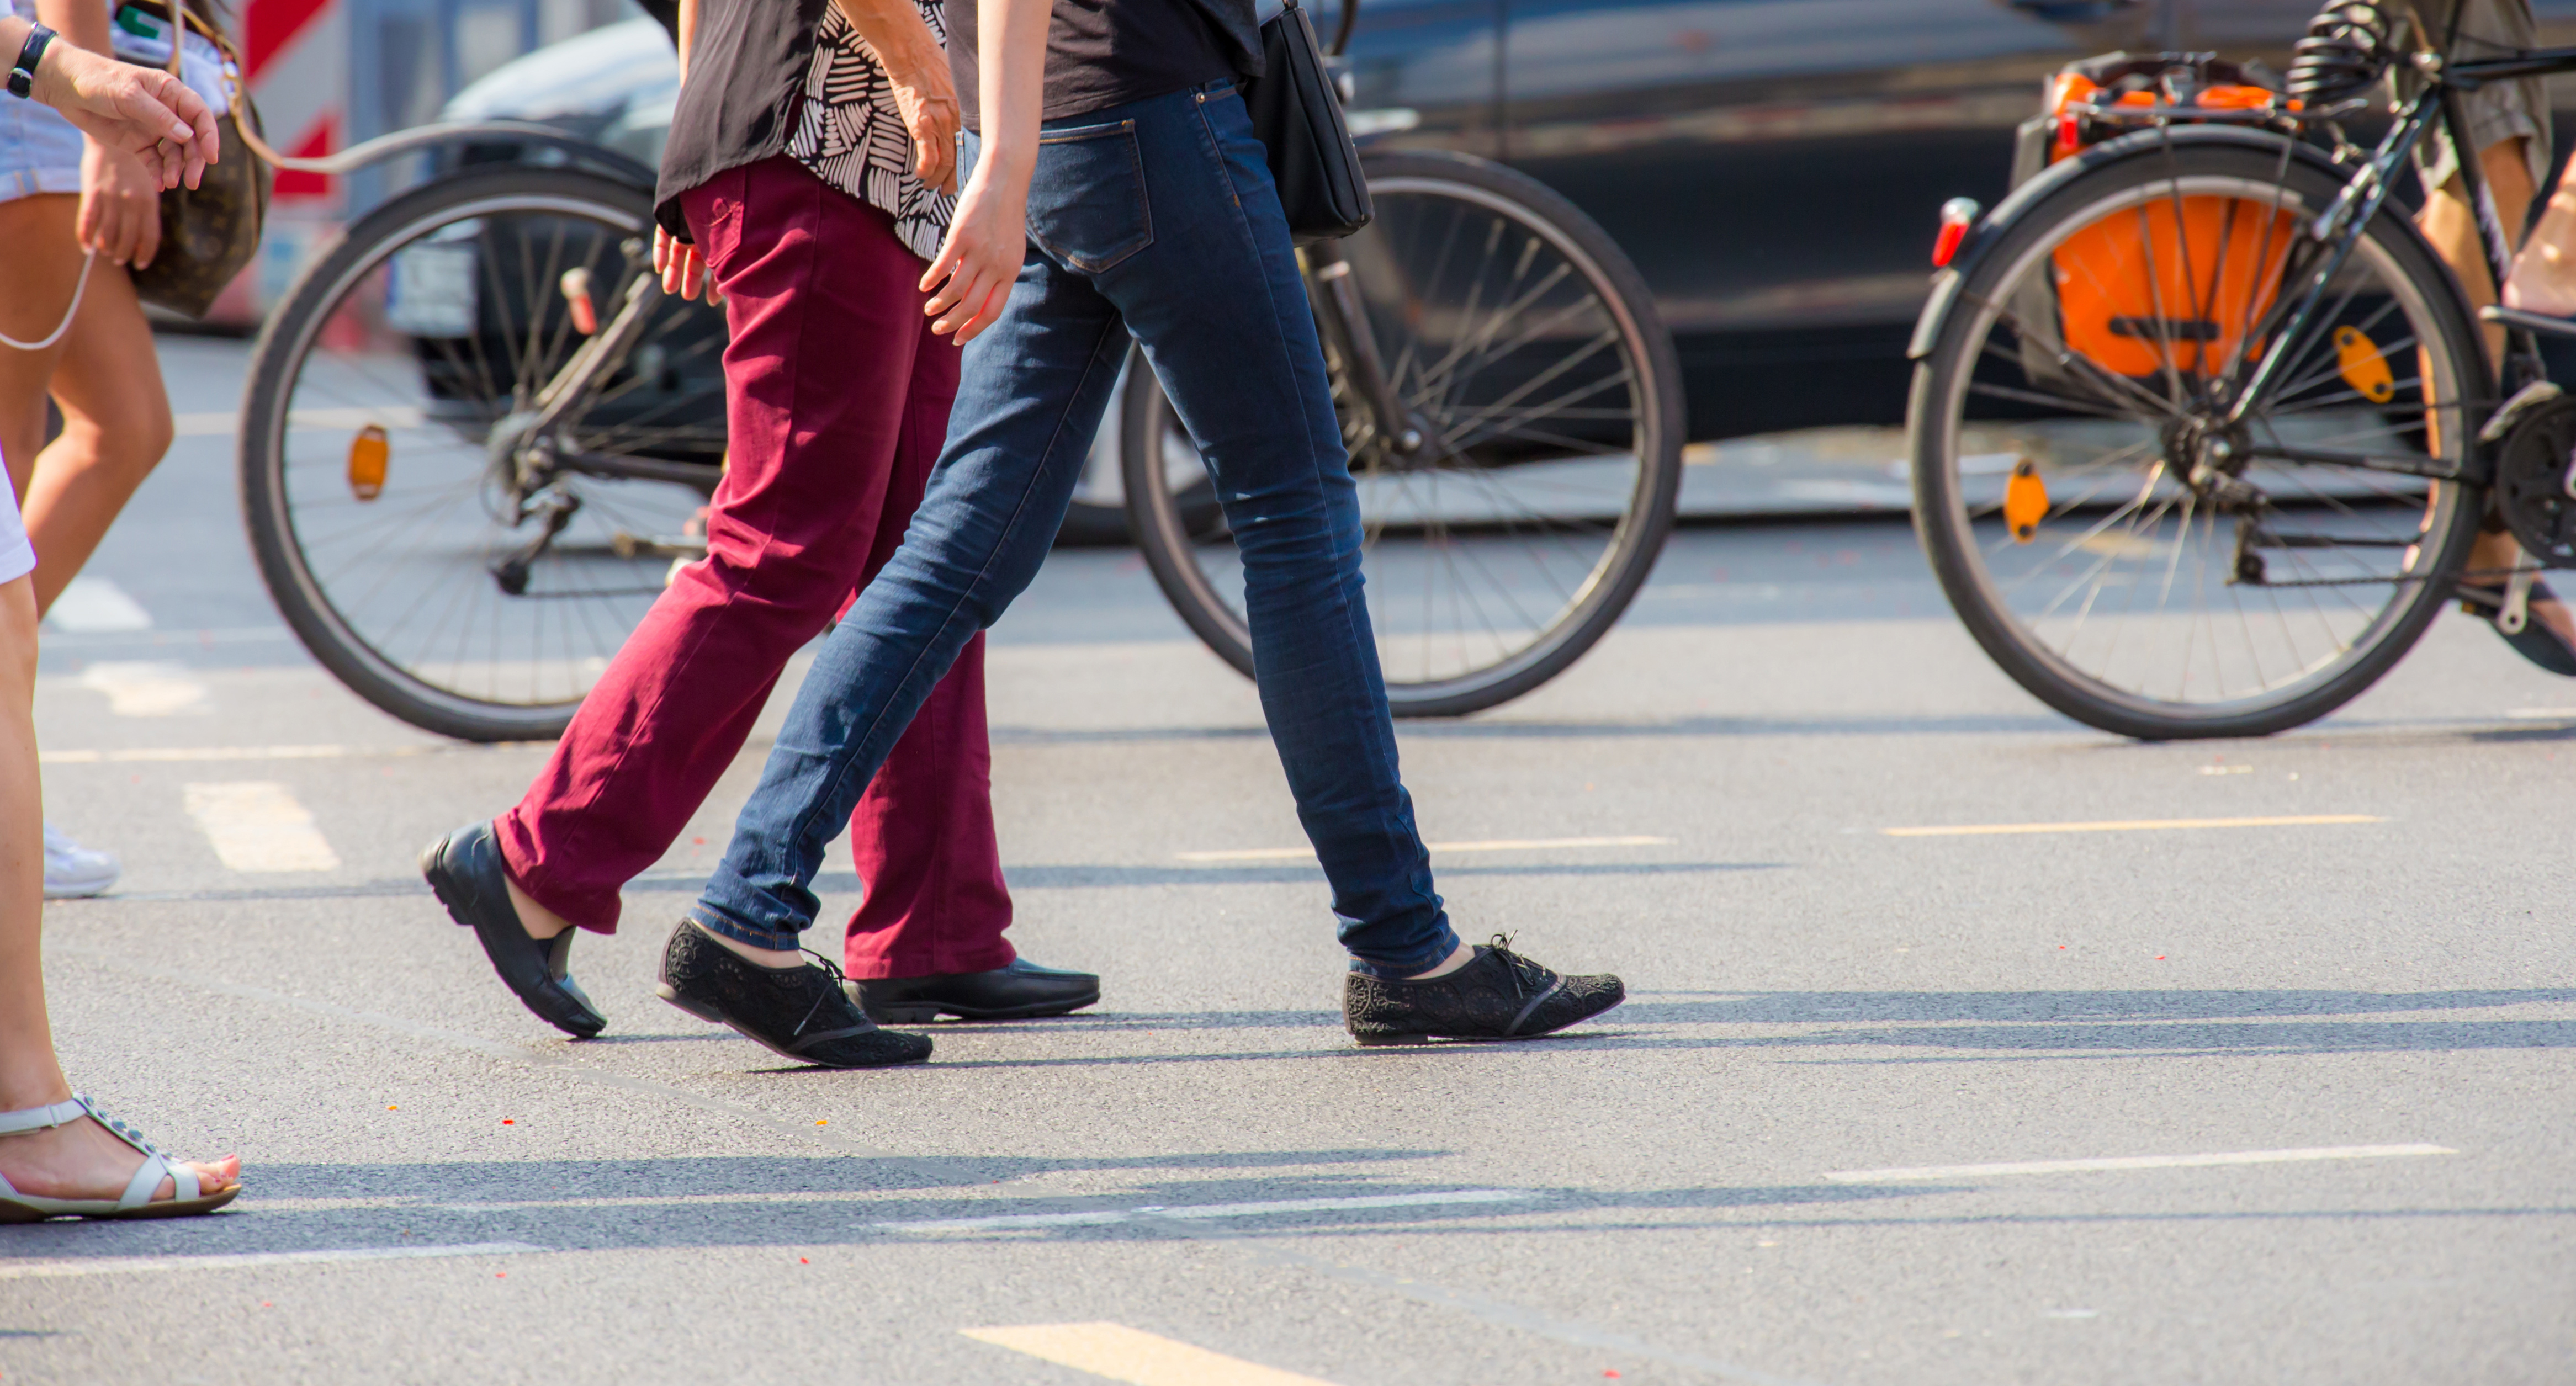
pixel 138 109
pixel 924 93
pixel 120 203
pixel 688 33
pixel 973 273
pixel 83 22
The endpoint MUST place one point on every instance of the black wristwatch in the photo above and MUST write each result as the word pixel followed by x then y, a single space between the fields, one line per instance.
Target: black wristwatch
pixel 22 78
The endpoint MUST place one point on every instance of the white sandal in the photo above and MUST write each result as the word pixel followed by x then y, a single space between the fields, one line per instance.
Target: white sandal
pixel 187 1196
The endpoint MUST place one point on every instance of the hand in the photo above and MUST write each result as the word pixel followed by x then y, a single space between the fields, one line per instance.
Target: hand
pixel 142 111
pixel 976 266
pixel 683 270
pixel 120 205
pixel 926 97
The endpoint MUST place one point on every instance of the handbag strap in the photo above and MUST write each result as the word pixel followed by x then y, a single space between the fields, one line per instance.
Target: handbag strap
pixel 231 70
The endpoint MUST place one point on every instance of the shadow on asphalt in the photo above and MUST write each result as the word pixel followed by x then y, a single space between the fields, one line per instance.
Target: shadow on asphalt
pixel 1068 877
pixel 731 1201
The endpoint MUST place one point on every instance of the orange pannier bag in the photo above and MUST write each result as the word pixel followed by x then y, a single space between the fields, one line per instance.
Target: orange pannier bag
pixel 2159 282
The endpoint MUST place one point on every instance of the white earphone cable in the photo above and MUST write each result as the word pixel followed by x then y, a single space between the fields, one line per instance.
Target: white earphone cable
pixel 70 313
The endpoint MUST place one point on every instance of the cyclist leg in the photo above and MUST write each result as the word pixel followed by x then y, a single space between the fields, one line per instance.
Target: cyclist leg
pixel 2509 126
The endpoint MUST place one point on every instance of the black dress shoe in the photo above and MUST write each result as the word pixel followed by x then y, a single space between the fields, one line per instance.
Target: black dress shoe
pixel 1498 996
pixel 464 867
pixel 1021 991
pixel 798 1012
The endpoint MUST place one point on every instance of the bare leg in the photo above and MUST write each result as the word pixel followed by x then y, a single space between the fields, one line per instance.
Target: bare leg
pixel 2452 226
pixel 35 287
pixel 2544 274
pixel 80 1160
pixel 116 417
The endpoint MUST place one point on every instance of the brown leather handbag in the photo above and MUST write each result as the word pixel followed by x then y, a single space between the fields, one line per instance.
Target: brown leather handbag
pixel 209 232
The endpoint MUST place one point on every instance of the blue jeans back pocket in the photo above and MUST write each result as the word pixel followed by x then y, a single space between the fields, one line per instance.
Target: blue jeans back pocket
pixel 1087 204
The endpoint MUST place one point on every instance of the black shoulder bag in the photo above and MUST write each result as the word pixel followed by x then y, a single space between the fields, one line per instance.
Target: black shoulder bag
pixel 1297 112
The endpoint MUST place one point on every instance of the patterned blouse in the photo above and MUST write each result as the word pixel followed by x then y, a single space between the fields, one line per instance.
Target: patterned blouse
pixel 850 135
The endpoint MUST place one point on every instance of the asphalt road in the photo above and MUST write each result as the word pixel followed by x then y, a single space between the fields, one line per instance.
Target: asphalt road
pixel 1775 1164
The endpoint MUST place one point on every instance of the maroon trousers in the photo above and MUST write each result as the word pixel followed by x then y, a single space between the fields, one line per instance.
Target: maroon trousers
pixel 837 400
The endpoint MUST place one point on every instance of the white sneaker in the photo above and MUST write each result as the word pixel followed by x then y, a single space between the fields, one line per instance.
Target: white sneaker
pixel 73 871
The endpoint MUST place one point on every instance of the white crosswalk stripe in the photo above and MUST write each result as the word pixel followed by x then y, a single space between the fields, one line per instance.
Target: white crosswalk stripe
pixel 136 689
pixel 96 604
pixel 256 826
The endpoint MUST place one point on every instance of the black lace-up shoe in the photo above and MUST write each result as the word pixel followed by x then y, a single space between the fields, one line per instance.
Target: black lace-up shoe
pixel 1500 995
pixel 797 1011
pixel 464 867
pixel 1021 991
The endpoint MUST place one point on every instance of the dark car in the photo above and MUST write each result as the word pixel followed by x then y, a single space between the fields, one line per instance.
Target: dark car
pixel 1774 167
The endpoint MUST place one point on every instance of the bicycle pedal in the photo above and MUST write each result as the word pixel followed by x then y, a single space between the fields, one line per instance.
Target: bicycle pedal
pixel 2526 399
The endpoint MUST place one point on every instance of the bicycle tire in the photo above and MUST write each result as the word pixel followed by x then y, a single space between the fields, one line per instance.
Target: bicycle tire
pixel 1936 415
pixel 1168 534
pixel 278 357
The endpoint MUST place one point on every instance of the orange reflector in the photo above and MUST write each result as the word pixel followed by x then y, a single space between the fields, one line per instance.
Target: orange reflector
pixel 368 455
pixel 576 291
pixel 2025 501
pixel 2364 366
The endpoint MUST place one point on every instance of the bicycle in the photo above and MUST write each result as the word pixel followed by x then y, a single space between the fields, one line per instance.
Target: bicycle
pixel 477 436
pixel 2277 425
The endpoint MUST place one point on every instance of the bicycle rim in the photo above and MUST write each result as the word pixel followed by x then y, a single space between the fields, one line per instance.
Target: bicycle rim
pixel 393 510
pixel 2123 560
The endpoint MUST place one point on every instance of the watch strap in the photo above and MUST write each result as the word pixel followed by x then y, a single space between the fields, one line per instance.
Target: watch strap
pixel 22 75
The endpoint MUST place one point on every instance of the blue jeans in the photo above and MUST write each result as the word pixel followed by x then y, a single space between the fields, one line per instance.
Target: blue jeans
pixel 1156 218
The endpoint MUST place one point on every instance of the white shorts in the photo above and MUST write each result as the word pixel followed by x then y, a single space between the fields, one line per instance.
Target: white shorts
pixel 17 556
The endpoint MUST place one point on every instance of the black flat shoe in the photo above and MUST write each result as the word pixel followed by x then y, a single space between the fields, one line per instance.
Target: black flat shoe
pixel 464 867
pixel 1498 996
pixel 797 1012
pixel 1021 991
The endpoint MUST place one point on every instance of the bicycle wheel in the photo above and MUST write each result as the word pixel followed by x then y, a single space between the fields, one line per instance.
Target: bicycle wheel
pixel 385 461
pixel 1527 347
pixel 2124 548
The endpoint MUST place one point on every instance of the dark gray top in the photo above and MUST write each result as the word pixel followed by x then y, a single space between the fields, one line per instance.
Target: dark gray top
pixel 1103 53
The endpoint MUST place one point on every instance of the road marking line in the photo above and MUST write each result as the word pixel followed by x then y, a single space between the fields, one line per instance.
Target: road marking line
pixel 1103 1217
pixel 2541 714
pixel 136 689
pixel 2136 825
pixel 256 826
pixel 223 423
pixel 1532 844
pixel 164 637
pixel 118 1265
pixel 2239 1157
pixel 136 755
pixel 1132 1355
pixel 96 604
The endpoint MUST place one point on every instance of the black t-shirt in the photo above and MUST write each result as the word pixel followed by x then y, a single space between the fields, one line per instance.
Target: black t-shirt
pixel 750 58
pixel 1103 53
